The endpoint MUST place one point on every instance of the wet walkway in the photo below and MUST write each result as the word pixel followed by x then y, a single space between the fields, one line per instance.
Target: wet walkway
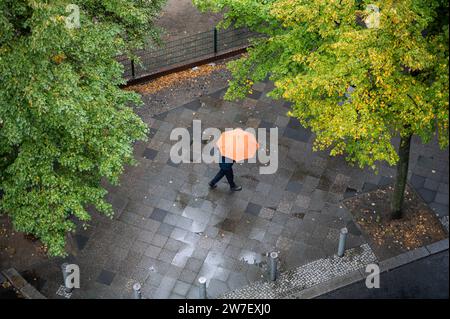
pixel 169 228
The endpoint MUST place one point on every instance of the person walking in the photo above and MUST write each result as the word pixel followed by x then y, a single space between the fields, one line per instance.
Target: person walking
pixel 226 169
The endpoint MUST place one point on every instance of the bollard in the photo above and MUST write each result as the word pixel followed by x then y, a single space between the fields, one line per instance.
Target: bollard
pixel 216 38
pixel 273 265
pixel 202 288
pixel 342 240
pixel 137 291
pixel 65 274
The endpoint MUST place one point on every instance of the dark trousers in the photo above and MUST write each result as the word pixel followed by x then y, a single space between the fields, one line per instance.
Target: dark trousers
pixel 229 175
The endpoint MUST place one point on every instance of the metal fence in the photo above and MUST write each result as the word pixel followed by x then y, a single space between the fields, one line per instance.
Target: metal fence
pixel 185 51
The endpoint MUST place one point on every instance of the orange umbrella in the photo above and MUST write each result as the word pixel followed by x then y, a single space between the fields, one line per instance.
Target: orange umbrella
pixel 237 145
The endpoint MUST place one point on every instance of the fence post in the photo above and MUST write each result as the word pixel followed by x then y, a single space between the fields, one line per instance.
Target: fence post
pixel 273 265
pixel 202 287
pixel 342 241
pixel 133 73
pixel 216 39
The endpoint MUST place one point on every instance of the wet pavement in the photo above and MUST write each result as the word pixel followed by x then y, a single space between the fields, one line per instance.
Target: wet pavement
pixel 423 279
pixel 170 228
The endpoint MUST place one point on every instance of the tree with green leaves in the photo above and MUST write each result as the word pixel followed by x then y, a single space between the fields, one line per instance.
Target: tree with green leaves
pixel 358 72
pixel 65 125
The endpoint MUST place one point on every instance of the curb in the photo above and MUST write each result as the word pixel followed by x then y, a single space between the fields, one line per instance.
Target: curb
pixel 19 283
pixel 385 266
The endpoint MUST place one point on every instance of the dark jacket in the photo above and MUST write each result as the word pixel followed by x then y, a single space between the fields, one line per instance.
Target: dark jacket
pixel 226 163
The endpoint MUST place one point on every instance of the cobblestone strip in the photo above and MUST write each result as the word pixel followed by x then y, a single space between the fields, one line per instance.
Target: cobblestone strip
pixel 306 276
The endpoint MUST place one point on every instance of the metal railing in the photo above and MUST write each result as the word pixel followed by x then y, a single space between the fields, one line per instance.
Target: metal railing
pixel 185 51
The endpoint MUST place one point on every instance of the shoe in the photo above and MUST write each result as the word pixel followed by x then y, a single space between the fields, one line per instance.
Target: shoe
pixel 236 188
pixel 212 186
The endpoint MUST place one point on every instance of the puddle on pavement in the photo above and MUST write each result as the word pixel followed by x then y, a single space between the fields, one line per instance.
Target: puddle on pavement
pixel 325 183
pixel 182 200
pixel 250 177
pixel 299 215
pixel 251 258
pixel 228 225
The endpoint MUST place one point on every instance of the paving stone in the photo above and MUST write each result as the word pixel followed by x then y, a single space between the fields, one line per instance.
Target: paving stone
pixel 166 256
pixel 152 251
pixel 158 214
pixel 280 218
pixel 188 276
pixel 443 188
pixel 266 213
pixel 181 288
pixel 216 288
pixel 426 161
pixel 150 225
pixel 285 206
pixel 164 289
pixel 222 274
pixel 263 188
pixel 178 233
pixel 442 198
pixel 236 280
pixel 184 223
pixel 427 195
pixel 257 234
pixel 165 230
pixel 106 277
pixel 173 271
pixel 253 209
pixel 194 264
pixel 431 184
pixel 145 236
pixel 294 187
pixel 417 181
pixel 199 253
pixel 150 154
pixel 182 257
pixel 173 245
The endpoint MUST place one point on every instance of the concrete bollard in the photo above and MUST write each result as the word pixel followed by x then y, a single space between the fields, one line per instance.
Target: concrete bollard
pixel 202 287
pixel 65 274
pixel 342 241
pixel 273 266
pixel 137 291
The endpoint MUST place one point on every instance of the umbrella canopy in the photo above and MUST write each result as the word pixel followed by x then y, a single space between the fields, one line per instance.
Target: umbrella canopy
pixel 237 145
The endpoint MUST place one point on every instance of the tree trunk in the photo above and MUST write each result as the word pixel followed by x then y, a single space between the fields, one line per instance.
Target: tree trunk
pixel 402 176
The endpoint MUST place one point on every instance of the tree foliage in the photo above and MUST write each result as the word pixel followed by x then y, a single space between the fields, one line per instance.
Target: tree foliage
pixel 64 123
pixel 355 86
